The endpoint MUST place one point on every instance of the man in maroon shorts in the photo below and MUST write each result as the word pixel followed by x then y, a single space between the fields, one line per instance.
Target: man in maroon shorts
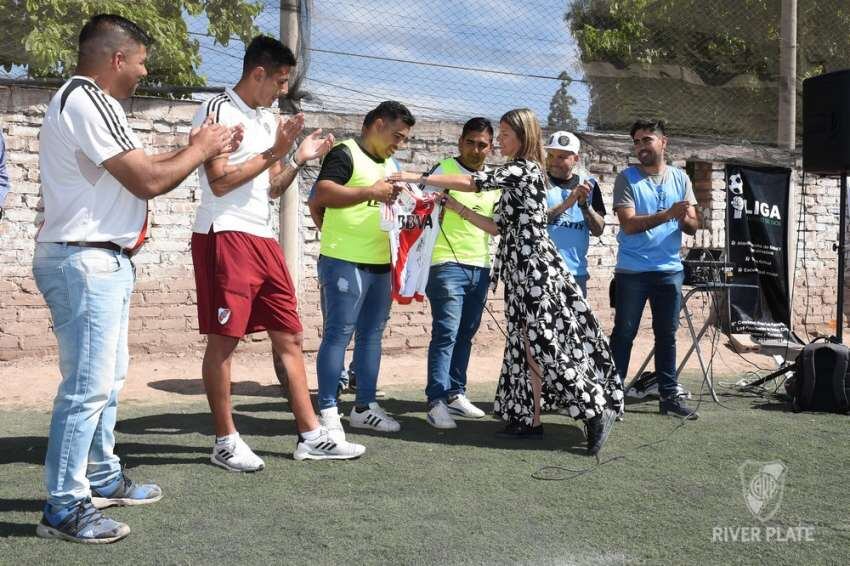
pixel 240 274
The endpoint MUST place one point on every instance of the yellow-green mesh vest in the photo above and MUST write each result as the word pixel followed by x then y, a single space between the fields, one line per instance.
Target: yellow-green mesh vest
pixel 354 233
pixel 470 245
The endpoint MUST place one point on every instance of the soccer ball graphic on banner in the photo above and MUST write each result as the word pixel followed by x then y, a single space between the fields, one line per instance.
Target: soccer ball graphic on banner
pixel 736 187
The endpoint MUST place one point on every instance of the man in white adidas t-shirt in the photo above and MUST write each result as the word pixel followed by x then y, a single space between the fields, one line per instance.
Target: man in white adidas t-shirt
pixel 240 272
pixel 96 181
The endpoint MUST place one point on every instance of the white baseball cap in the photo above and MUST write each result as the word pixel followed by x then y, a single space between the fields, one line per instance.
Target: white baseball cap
pixel 565 141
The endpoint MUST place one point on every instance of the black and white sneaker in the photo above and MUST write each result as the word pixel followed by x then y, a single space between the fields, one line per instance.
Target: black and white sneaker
pixel 236 456
pixel 325 447
pixel 373 418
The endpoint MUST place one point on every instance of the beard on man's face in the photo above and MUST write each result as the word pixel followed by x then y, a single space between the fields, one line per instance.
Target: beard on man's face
pixel 647 157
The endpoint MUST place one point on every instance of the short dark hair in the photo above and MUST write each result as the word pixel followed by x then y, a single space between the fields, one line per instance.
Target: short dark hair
pixel 389 111
pixel 477 124
pixel 657 126
pixel 268 53
pixel 101 26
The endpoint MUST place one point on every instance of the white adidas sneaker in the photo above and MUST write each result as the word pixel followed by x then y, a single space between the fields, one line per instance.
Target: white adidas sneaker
pixel 236 456
pixel 327 448
pixel 374 418
pixel 329 419
pixel 461 406
pixel 439 417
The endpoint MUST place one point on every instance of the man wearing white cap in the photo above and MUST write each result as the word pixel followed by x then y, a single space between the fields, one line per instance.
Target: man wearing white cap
pixel 575 204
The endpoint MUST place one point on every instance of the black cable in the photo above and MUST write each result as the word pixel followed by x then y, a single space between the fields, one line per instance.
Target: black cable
pixel 804 222
pixel 542 472
pixel 469 277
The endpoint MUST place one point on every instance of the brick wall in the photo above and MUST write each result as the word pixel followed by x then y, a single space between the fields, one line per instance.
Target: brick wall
pixel 163 317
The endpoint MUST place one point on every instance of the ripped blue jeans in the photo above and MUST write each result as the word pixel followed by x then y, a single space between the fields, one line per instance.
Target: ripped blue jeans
pixel 355 302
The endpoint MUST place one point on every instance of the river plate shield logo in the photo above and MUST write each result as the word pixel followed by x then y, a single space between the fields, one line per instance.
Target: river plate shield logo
pixel 763 484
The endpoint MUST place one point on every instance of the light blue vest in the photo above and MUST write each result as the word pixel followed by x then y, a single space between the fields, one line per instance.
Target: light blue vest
pixel 657 249
pixel 569 231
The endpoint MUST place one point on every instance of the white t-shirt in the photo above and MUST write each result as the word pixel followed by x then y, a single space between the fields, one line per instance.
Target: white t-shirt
pixel 83 202
pixel 245 208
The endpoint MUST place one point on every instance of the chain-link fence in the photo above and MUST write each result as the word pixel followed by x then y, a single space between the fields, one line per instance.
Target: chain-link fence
pixel 710 67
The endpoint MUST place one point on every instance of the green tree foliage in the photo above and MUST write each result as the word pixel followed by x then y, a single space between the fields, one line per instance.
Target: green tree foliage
pixel 717 39
pixel 560 107
pixel 42 34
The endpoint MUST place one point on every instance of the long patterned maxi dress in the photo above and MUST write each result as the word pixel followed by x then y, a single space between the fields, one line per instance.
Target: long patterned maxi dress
pixel 543 303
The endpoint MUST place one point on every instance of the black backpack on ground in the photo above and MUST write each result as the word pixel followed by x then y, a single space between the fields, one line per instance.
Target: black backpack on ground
pixel 821 381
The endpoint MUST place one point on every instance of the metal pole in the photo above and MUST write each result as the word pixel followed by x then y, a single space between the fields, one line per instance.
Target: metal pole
pixel 787 117
pixel 290 202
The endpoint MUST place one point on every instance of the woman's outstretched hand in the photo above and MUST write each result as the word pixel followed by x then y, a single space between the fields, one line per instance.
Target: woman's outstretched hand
pixel 404 177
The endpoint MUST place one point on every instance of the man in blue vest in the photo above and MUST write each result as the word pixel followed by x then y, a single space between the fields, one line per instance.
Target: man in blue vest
pixel 575 204
pixel 654 203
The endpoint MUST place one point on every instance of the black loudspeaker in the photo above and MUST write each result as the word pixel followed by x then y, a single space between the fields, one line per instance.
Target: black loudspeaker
pixel 826 123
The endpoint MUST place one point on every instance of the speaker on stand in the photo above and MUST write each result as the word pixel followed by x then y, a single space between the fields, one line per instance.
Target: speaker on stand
pixel 826 151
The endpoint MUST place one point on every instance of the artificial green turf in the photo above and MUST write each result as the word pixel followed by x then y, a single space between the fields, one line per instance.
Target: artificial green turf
pixel 458 497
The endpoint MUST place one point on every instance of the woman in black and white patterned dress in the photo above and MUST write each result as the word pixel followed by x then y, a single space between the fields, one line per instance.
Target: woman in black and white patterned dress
pixel 556 354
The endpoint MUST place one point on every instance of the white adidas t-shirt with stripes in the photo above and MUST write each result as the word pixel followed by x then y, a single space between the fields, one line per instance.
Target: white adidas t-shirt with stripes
pixel 245 208
pixel 83 202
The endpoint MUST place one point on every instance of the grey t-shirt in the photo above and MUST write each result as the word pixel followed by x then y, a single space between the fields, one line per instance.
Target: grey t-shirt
pixel 624 197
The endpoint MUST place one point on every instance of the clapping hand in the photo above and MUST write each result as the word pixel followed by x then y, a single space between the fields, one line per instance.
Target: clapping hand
pixel 582 192
pixel 679 210
pixel 314 147
pixel 237 133
pixel 287 131
pixel 211 138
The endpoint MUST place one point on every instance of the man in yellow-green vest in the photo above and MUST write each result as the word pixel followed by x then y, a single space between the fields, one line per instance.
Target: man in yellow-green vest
pixel 459 279
pixel 354 262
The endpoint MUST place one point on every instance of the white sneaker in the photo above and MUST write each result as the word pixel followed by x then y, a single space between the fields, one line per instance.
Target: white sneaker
pixel 463 407
pixel 439 417
pixel 236 457
pixel 325 447
pixel 375 418
pixel 329 419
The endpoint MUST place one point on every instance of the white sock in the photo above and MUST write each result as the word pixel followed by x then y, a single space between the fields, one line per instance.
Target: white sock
pixel 311 434
pixel 229 439
pixel 330 412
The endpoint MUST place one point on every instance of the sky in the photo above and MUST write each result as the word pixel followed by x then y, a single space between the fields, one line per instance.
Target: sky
pixel 461 57
pixel 449 59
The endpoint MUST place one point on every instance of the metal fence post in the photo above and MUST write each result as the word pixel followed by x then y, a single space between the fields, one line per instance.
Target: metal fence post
pixel 787 118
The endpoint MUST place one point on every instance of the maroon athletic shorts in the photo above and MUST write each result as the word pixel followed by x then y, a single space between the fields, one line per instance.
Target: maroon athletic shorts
pixel 243 285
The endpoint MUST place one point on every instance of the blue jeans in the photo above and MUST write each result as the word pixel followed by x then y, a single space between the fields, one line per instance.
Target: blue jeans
pixel 664 292
pixel 457 294
pixel 356 302
pixel 88 291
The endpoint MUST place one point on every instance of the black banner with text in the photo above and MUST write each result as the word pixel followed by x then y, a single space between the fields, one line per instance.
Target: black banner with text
pixel 757 222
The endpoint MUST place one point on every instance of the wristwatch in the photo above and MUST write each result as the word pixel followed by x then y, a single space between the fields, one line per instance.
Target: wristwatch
pixel 583 206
